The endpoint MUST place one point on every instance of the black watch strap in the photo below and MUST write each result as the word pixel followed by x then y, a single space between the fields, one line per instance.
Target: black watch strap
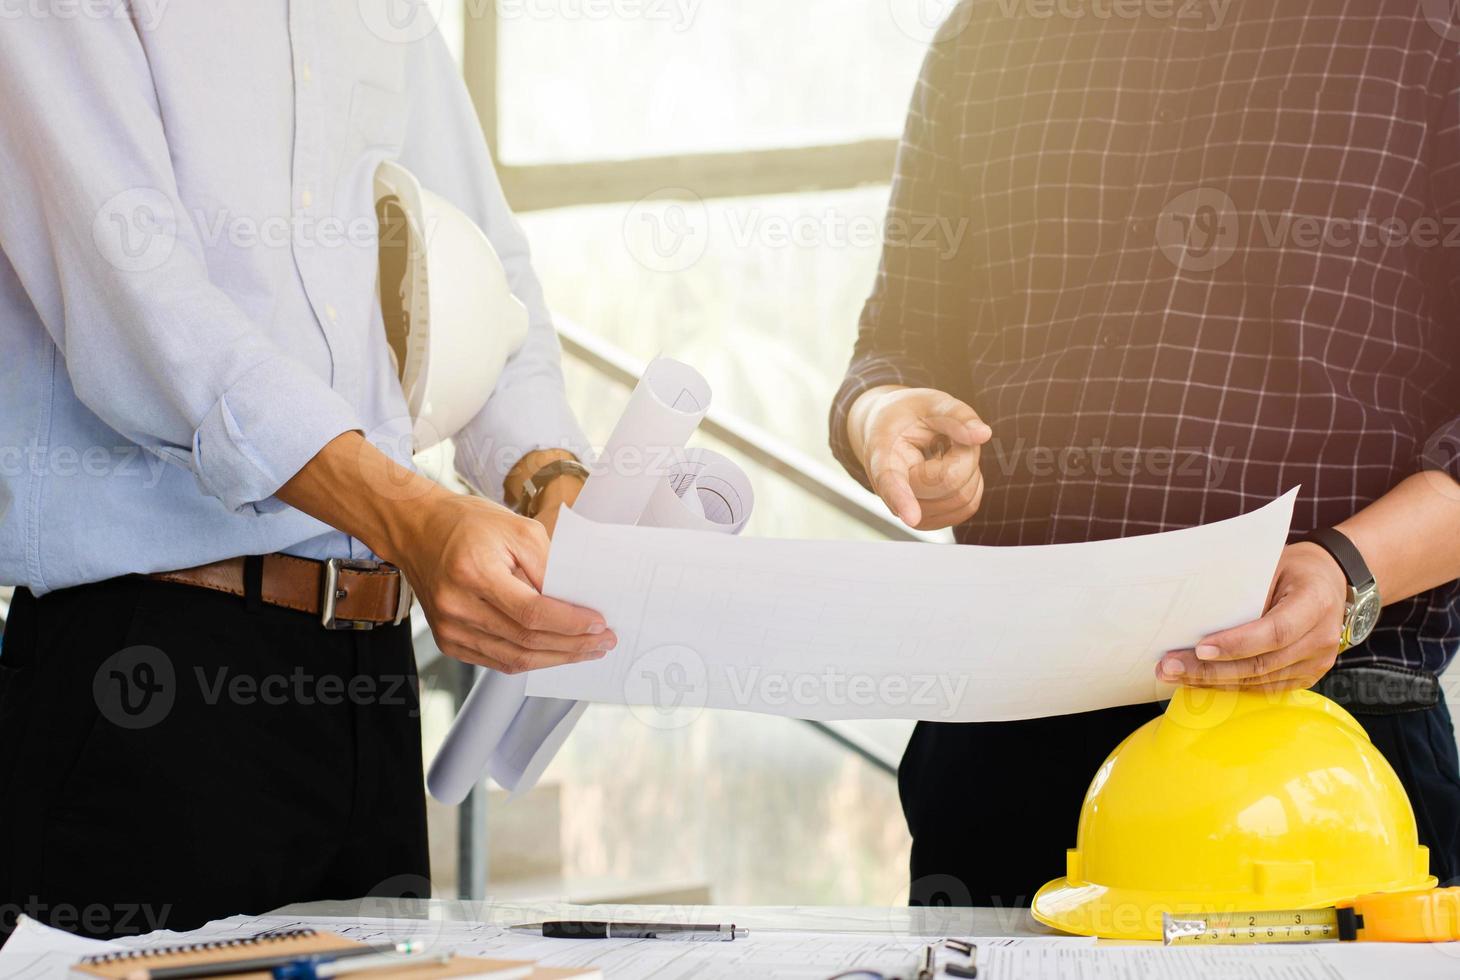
pixel 1337 544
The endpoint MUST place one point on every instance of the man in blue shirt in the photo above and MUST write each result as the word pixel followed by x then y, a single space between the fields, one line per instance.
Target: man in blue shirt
pixel 200 426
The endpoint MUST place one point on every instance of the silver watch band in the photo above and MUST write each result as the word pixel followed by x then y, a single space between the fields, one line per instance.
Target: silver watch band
pixel 535 484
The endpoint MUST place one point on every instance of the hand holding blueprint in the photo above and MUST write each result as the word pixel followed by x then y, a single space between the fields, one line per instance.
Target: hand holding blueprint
pixel 845 629
pixel 645 475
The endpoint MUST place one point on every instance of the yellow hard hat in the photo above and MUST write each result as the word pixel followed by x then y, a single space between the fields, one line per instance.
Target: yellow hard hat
pixel 1235 801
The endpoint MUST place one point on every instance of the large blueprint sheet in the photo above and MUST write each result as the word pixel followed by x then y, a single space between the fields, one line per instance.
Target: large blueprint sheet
pixel 846 629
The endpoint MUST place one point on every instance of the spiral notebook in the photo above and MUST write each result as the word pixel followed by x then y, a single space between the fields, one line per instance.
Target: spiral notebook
pixel 305 942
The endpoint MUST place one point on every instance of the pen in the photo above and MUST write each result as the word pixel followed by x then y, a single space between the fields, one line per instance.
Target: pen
pixel 690 932
pixel 260 964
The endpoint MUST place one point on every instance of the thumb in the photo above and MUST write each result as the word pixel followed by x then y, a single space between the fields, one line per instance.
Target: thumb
pixel 529 549
pixel 892 485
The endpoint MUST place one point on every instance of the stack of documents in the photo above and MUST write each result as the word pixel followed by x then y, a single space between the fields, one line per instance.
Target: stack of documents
pixel 38 953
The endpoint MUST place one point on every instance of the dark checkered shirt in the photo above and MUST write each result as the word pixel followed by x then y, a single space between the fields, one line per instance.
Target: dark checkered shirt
pixel 1183 257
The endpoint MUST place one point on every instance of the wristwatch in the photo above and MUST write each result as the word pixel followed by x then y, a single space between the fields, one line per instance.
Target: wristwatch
pixel 532 488
pixel 1361 611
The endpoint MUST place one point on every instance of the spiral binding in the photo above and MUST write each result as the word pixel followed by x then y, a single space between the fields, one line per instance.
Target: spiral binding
pixel 137 954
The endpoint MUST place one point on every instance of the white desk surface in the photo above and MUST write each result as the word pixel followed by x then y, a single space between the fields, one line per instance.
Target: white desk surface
pixel 898 921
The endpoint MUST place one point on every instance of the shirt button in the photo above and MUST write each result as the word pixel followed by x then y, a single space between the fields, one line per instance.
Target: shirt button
pixel 1107 340
pixel 331 312
pixel 306 74
pixel 1165 114
pixel 1137 227
pixel 306 199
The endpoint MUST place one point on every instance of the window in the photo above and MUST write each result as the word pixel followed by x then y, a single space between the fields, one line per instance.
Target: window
pixel 708 180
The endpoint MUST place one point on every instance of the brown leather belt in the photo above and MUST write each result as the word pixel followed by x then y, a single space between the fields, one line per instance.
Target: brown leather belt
pixel 346 594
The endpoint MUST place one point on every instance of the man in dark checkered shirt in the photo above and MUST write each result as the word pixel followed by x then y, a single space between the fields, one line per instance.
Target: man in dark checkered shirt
pixel 1149 265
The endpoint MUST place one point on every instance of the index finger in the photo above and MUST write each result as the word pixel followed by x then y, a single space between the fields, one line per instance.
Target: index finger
pixel 532 610
pixel 958 421
pixel 1287 621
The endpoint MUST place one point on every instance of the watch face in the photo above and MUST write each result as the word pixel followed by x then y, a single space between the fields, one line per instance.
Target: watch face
pixel 1365 614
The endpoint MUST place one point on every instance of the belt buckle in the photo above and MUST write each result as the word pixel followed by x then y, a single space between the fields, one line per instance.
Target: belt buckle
pixel 330 593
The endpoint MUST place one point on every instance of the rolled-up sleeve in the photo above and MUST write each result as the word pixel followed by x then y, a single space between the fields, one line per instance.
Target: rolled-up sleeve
pixel 92 222
pixel 912 325
pixel 445 149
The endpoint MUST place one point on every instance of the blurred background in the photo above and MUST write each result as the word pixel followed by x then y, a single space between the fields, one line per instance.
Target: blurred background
pixel 704 179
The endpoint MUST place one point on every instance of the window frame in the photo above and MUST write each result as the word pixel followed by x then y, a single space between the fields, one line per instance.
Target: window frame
pixel 535 187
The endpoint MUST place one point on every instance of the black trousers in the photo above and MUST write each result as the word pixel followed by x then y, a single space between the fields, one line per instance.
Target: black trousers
pixel 170 755
pixel 993 807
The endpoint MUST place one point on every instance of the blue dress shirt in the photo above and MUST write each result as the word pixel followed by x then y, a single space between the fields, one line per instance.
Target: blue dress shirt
pixel 188 306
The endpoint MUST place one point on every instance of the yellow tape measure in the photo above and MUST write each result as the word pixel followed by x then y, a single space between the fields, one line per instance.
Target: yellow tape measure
pixel 1278 926
pixel 1430 916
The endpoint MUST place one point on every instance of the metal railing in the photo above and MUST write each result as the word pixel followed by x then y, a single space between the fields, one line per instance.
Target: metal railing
pixel 758 447
pixel 766 451
pixel 752 442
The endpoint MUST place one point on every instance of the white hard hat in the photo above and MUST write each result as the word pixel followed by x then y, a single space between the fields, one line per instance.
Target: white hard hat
pixel 450 318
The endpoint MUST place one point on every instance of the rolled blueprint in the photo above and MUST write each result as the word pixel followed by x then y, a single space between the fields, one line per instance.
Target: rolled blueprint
pixel 645 475
pixel 703 491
